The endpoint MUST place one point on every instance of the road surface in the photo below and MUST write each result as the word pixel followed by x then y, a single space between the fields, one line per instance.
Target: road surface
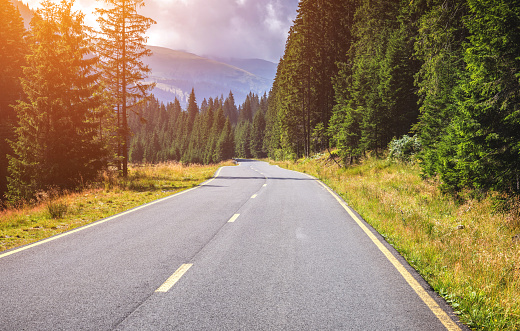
pixel 256 248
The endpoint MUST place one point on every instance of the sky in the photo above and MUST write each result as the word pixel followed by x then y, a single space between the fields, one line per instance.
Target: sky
pixel 219 28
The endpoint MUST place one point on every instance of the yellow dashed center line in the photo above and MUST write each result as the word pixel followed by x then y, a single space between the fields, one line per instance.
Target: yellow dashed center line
pixel 254 196
pixel 174 278
pixel 234 218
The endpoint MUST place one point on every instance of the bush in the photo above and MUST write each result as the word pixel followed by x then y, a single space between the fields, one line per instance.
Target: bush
pixel 57 209
pixel 405 148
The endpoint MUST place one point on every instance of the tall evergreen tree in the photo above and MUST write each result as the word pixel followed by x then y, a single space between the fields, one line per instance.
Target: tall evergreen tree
pixel 375 93
pixel 243 139
pixel 257 135
pixel 245 111
pixel 224 149
pixel 193 109
pixel 303 92
pixel 12 57
pixel 56 138
pixel 487 127
pixel 121 48
pixel 272 136
pixel 230 108
pixel 439 45
pixel 212 154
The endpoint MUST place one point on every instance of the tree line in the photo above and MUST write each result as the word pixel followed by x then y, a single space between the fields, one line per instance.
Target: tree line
pixel 213 132
pixel 66 92
pixel 74 103
pixel 357 74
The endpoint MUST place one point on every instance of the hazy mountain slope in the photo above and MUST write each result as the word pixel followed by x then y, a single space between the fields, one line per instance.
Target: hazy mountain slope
pixel 176 72
pixel 257 67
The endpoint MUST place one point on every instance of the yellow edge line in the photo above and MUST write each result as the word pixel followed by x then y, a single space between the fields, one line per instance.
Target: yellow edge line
pixel 426 298
pixel 168 284
pixel 105 220
pixel 234 218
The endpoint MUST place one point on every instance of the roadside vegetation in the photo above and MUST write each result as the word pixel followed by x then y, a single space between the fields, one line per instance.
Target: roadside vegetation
pixel 466 246
pixel 52 213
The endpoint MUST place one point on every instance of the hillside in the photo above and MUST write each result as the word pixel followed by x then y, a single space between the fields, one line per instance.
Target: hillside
pixel 177 72
pixel 257 67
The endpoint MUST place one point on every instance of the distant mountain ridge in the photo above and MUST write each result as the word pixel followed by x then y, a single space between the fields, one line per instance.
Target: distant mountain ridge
pixel 177 72
pixel 258 67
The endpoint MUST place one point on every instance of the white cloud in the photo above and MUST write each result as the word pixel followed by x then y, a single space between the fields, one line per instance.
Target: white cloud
pixel 272 22
pixel 227 28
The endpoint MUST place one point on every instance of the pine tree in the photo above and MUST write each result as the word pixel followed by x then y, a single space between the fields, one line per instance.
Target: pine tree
pixel 136 150
pixel 213 154
pixel 12 57
pixel 245 111
pixel 204 106
pixel 439 45
pixel 302 91
pixel 57 142
pixel 121 48
pixel 206 152
pixel 375 92
pixel 273 124
pixel 345 123
pixel 193 109
pixel 257 136
pixel 230 108
pixel 242 139
pixel 224 149
pixel 194 152
pixel 488 123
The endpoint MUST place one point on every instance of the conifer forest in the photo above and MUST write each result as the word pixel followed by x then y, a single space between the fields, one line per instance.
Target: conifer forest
pixel 356 76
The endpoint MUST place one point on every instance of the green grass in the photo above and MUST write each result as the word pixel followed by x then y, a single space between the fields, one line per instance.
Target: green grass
pixel 59 213
pixel 462 247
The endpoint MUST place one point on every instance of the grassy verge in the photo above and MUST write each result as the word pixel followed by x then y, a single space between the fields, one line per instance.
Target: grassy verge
pixel 55 214
pixel 464 249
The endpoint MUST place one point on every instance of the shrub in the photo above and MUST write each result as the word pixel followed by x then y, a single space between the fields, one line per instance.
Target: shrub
pixel 405 148
pixel 57 209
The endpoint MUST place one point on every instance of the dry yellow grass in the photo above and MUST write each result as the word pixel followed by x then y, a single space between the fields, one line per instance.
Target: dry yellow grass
pixel 464 249
pixel 112 195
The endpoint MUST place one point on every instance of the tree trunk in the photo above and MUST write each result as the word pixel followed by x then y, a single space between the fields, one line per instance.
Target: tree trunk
pixel 124 119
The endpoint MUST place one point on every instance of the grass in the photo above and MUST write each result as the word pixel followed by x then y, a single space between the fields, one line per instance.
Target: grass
pixel 465 248
pixel 55 213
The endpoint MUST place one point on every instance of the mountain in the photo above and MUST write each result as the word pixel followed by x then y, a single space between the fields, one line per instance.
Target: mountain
pixel 258 67
pixel 177 72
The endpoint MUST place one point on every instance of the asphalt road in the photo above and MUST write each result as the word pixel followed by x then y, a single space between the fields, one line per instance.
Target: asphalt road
pixel 256 248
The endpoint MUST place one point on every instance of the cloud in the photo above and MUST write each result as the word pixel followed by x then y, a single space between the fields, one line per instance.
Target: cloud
pixel 226 28
pixel 223 28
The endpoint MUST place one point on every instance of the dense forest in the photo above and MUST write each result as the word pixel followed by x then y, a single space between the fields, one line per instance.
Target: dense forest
pixel 356 76
pixel 74 104
pixel 66 92
pixel 217 131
